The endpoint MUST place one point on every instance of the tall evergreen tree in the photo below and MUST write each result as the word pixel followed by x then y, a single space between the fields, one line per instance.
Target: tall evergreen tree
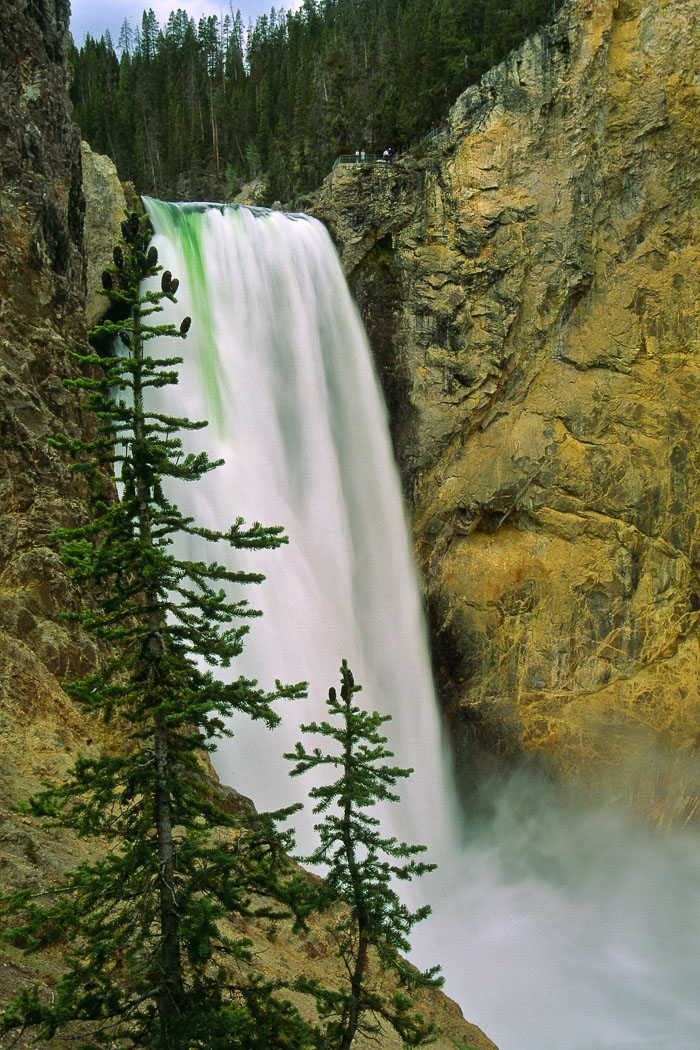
pixel 149 960
pixel 362 868
pixel 126 38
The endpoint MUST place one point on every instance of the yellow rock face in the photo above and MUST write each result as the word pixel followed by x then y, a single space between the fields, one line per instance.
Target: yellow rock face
pixel 546 327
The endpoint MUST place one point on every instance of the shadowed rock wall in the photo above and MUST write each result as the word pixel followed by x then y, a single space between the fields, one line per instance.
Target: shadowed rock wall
pixel 42 293
pixel 541 277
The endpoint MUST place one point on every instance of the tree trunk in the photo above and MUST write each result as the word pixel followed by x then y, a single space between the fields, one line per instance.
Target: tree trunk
pixel 170 995
pixel 214 129
pixel 356 982
pixel 360 966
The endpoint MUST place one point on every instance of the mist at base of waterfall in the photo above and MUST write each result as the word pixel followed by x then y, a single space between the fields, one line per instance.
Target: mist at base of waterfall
pixel 565 925
pixel 558 926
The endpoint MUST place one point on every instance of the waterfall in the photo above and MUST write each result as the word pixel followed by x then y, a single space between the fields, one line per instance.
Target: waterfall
pixel 557 928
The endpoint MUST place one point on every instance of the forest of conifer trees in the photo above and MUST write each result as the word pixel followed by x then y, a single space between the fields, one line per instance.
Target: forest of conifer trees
pixel 213 104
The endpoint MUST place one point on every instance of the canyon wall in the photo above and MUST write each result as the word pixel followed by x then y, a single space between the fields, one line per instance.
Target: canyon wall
pixel 42 316
pixel 42 295
pixel 530 282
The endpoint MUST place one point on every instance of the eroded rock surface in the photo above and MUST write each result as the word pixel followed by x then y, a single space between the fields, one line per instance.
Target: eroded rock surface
pixel 105 201
pixel 42 294
pixel 539 341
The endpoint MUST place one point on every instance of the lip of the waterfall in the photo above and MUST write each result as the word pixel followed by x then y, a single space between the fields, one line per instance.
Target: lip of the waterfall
pixel 201 207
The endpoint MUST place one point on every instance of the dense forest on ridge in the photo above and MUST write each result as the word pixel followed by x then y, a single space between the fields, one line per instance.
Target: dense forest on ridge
pixel 215 103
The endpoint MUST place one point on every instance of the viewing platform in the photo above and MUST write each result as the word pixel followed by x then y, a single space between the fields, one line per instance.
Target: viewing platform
pixel 369 158
pixel 381 158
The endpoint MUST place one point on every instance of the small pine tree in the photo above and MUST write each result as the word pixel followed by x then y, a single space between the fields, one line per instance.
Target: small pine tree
pixel 149 963
pixel 361 873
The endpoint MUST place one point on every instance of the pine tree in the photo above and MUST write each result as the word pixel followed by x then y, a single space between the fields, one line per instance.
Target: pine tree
pixel 126 38
pixel 149 961
pixel 363 866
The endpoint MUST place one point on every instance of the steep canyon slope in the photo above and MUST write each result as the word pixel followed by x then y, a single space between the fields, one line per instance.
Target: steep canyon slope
pixel 530 282
pixel 42 293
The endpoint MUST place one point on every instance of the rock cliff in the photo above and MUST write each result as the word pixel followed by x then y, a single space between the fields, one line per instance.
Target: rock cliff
pixel 530 282
pixel 105 201
pixel 42 294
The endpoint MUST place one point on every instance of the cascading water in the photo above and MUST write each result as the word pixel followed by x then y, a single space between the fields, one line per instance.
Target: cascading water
pixel 276 361
pixel 556 929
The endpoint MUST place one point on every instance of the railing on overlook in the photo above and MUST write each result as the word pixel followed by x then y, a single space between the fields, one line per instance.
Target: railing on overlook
pixel 369 158
pixel 380 158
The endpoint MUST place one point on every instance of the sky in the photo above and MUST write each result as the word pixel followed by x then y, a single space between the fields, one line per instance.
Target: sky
pixel 95 16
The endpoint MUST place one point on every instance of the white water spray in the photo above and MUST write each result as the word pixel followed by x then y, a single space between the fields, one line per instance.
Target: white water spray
pixel 556 930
